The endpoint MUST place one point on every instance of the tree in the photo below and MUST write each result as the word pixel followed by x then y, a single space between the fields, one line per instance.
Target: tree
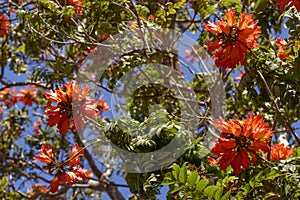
pixel 200 97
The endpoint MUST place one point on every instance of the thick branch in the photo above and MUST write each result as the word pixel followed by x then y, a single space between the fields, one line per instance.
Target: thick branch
pixel 102 185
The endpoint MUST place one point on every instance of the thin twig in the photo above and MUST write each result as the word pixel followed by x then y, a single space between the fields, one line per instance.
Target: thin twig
pixel 286 122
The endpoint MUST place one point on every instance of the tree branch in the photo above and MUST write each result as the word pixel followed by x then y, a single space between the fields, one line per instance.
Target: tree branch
pixel 101 185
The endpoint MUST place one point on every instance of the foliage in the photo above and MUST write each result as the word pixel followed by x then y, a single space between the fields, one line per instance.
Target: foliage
pixel 62 63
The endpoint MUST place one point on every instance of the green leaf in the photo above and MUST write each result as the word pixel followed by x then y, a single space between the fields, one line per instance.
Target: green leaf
pixel 260 4
pixel 255 181
pixel 228 3
pixel 168 180
pixel 270 194
pixel 4 181
pixel 21 49
pixel 187 195
pixel 252 182
pixel 176 189
pixel 246 188
pixel 273 174
pixel 226 195
pixel 193 179
pixel 218 194
pixel 172 11
pixel 201 185
pixel 210 191
pixel 175 172
pixel 183 174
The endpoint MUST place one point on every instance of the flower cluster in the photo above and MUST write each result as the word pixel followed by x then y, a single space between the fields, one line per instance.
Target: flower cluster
pixel 233 39
pixel 281 43
pixel 27 96
pixel 37 126
pixel 239 139
pixel 61 114
pixel 280 152
pixel 4 25
pixel 10 97
pixel 67 171
pixel 191 55
pixel 37 188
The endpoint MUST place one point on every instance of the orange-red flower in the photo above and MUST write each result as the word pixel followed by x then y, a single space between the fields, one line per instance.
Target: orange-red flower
pixel 8 97
pixel 280 152
pixel 102 106
pixel 69 178
pixel 283 3
pixel 90 50
pixel 46 154
pixel 67 172
pixel 233 39
pixel 281 43
pixel 37 126
pixel 75 3
pixel 104 37
pixel 212 161
pixel 62 113
pixel 239 139
pixel 38 188
pixel 191 55
pixel 4 25
pixel 82 173
pixel 74 155
pixel 27 96
pixel 59 179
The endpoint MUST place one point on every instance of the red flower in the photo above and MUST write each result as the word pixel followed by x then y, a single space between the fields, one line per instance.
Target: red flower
pixel 239 139
pixel 69 177
pixel 87 109
pixel 62 113
pixel 38 188
pixel 46 154
pixel 82 173
pixel 151 17
pixel 8 97
pixel 4 25
pixel 283 3
pixel 90 50
pixel 280 152
pixel 55 116
pixel 104 37
pixel 188 55
pixel 37 126
pixel 59 179
pixel 74 155
pixel 212 161
pixel 281 43
pixel 75 3
pixel 102 106
pixel 233 39
pixel 27 96
pixel 67 172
